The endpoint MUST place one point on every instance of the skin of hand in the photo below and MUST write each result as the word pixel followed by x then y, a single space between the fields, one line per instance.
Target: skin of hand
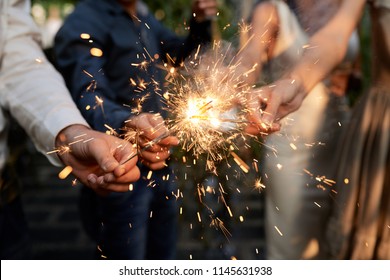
pixel 204 9
pixel 95 161
pixel 151 126
pixel 268 105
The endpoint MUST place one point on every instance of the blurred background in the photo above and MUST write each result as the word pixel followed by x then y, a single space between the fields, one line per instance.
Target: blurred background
pixel 51 204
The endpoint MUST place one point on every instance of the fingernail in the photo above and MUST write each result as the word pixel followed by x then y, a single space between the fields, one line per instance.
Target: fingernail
pixel 109 166
pixel 108 178
pixel 120 171
pixel 100 181
pixel 91 179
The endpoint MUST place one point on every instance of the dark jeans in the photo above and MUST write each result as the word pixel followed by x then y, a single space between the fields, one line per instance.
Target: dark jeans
pixel 139 224
pixel 14 236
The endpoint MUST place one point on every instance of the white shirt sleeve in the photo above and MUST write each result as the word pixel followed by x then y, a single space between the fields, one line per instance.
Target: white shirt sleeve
pixel 30 88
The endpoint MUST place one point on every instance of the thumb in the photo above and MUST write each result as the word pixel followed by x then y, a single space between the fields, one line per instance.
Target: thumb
pixel 269 114
pixel 101 153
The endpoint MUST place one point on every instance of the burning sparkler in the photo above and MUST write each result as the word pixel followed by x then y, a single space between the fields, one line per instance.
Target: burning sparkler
pixel 203 102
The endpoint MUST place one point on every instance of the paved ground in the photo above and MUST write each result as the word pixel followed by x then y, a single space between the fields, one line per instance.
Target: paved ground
pixel 52 211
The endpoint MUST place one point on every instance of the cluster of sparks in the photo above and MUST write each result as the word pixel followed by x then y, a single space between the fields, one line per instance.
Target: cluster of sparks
pixel 202 100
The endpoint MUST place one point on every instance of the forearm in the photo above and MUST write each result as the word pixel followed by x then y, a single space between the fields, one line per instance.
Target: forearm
pixel 262 35
pixel 327 48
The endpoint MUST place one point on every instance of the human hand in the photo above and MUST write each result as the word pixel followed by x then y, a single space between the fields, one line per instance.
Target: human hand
pixel 204 9
pixel 269 104
pixel 95 159
pixel 151 127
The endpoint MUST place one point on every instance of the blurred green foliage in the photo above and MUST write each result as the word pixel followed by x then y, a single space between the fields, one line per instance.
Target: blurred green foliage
pixel 174 13
pixel 178 12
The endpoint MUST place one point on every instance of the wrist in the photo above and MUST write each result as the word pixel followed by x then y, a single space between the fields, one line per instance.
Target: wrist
pixel 69 133
pixel 297 82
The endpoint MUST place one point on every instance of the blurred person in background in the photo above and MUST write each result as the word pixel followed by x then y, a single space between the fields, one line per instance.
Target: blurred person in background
pixel 297 159
pixel 358 227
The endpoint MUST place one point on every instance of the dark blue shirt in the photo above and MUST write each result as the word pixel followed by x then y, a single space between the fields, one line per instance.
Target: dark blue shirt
pixel 109 86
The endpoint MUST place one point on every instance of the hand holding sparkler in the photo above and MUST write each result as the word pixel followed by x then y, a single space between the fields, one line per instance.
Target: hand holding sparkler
pixel 269 104
pixel 94 158
pixel 261 120
pixel 150 133
pixel 282 98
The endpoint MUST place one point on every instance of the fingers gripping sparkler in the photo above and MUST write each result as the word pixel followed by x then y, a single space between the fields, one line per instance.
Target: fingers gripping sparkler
pixel 148 145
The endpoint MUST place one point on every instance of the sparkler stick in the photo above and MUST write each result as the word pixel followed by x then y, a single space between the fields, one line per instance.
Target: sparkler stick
pixel 150 144
pixel 203 109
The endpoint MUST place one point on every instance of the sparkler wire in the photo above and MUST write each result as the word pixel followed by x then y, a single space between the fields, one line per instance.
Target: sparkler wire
pixel 150 144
